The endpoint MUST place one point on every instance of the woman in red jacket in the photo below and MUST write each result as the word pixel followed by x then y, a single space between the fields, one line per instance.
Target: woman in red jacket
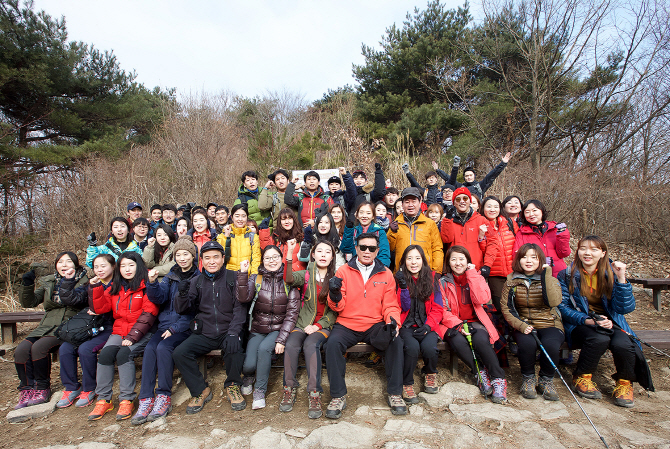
pixel 420 314
pixel 465 292
pixel 134 316
pixel 553 238
pixel 285 229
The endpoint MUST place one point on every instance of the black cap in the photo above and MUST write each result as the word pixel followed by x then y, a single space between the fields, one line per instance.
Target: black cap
pixel 211 246
pixel 274 174
pixel 411 191
pixel 334 180
pixel 311 173
pixel 448 186
pixel 211 204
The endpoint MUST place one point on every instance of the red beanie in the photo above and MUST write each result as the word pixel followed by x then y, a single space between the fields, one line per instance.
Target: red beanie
pixel 462 191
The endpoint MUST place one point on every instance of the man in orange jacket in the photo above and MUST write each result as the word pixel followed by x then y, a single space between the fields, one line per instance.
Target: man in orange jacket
pixel 362 292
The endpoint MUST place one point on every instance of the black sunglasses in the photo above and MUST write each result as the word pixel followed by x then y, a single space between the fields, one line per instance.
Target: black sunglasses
pixel 370 248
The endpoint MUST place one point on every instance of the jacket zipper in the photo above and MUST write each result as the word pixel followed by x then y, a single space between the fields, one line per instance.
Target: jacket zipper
pixel 215 300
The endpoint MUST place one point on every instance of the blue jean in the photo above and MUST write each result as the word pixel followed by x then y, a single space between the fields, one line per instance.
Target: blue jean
pixel 157 360
pixel 259 358
pixel 87 358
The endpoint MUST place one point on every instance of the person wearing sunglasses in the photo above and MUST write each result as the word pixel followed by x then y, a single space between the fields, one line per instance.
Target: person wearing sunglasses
pixel 363 294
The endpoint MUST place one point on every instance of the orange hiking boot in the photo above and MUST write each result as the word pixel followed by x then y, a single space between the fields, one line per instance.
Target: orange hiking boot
pixel 125 410
pixel 623 393
pixel 101 407
pixel 585 387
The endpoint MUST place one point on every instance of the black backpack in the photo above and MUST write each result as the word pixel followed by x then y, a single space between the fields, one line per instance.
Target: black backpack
pixel 79 328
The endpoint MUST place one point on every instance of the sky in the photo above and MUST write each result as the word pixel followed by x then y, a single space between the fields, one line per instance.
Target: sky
pixel 248 47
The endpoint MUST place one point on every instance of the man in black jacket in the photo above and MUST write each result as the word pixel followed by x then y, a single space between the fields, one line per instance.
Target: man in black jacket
pixel 477 187
pixel 218 322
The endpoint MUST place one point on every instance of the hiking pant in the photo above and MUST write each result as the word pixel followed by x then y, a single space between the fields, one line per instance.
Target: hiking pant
pixel 594 344
pixel 342 338
pixel 33 362
pixel 157 360
pixel 258 358
pixel 88 359
pixel 186 355
pixel 552 338
pixel 481 343
pixel 426 345
pixel 124 357
pixel 311 344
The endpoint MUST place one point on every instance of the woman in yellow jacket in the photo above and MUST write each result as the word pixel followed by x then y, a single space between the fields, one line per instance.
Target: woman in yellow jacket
pixel 239 242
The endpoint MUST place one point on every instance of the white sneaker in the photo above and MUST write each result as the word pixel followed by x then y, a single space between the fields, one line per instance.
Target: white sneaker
pixel 247 385
pixel 259 400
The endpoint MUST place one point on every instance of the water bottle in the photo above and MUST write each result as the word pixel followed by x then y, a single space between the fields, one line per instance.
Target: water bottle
pixel 94 331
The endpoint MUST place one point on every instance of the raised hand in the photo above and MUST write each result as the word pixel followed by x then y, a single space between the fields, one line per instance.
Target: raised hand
pixel 434 164
pixel 506 157
pixel 153 275
pixel 226 230
pixel 471 266
pixel 92 241
pixel 457 161
pixel 244 266
pixel 619 269
pixel 94 280
pixel 342 170
pixel 151 241
pixel 69 273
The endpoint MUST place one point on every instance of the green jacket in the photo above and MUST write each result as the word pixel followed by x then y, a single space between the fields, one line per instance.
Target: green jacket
pixel 251 200
pixel 41 292
pixel 273 202
pixel 308 309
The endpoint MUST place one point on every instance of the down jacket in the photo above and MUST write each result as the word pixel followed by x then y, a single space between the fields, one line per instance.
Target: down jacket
pixel 163 294
pixel 423 232
pixel 110 247
pixel 309 205
pixel 505 235
pixel 242 245
pixel 245 196
pixel 133 313
pixel 554 245
pixel 466 234
pixel 348 245
pixel 534 302
pixel 433 304
pixel 272 310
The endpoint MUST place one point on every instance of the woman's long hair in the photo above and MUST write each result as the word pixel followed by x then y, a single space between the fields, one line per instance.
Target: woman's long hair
pixel 160 250
pixel 340 227
pixel 422 289
pixel 323 293
pixel 604 274
pixel 141 274
pixel 282 235
pixel 333 236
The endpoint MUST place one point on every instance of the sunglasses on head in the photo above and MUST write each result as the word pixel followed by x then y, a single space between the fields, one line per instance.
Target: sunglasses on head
pixel 371 248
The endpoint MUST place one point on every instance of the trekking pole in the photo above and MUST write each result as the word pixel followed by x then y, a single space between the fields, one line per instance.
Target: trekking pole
pixel 634 337
pixel 534 334
pixel 468 337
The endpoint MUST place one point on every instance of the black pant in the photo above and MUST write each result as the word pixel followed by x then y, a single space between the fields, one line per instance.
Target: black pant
pixel 186 355
pixel 426 345
pixel 594 344
pixel 552 338
pixel 33 362
pixel 341 339
pixel 482 346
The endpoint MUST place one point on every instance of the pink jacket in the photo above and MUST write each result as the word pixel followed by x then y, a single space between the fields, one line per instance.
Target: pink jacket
pixel 554 245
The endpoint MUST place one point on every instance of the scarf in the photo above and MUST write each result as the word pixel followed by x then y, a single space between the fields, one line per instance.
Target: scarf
pixel 78 274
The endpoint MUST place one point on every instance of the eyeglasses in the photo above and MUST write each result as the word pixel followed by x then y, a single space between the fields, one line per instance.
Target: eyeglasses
pixel 461 199
pixel 271 258
pixel 371 248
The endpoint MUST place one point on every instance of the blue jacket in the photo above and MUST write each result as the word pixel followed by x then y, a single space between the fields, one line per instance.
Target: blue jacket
pixel 109 247
pixel 574 308
pixel 347 246
pixel 163 294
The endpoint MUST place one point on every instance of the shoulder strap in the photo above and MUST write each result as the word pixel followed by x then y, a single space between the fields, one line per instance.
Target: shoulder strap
pixel 113 249
pixel 259 282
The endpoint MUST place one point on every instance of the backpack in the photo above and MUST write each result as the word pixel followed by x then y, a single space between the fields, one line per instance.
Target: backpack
pixel 259 282
pixel 79 328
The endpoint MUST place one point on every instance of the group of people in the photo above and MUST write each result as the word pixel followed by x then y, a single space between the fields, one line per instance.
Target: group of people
pixel 294 267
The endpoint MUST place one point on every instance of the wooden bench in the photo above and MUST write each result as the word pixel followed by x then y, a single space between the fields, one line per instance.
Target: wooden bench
pixel 8 322
pixel 656 285
pixel 658 339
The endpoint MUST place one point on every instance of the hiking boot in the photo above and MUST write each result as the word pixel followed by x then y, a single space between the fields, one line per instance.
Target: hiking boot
pixel 101 407
pixel 162 406
pixel 334 410
pixel 314 411
pixel 288 400
pixel 198 402
pixel 547 389
pixel 398 406
pixel 24 399
pixel 68 398
pixel 40 397
pixel 513 348
pixel 585 387
pixel 623 393
pixel 259 400
pixel 374 359
pixel 528 384
pixel 499 390
pixel 247 385
pixel 484 383
pixel 235 397
pixel 409 395
pixel 430 384
pixel 125 410
pixel 145 407
pixel 85 399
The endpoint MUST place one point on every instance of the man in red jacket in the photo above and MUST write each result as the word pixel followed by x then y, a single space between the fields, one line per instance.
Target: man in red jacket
pixel 465 227
pixel 362 292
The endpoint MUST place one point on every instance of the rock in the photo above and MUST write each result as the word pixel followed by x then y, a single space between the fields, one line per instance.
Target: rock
pixel 404 445
pixel 166 440
pixel 159 424
pixel 362 410
pixel 405 426
pixel 180 396
pixel 96 445
pixel 663 395
pixel 547 410
pixel 218 433
pixel 476 413
pixel 342 435
pixel 459 436
pixel 583 434
pixel 416 410
pixel 531 434
pixel 451 392
pixel 266 438
pixel 664 424
pixel 34 411
pixel 59 446
pixel 235 443
pixel 638 438
pixel 112 429
pixel 296 433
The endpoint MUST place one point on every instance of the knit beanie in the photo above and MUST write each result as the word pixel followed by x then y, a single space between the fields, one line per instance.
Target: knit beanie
pixel 462 191
pixel 185 242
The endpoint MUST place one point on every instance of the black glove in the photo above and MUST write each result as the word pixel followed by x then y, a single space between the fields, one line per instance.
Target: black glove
pixel 560 227
pixel 393 226
pixel 421 331
pixel 485 271
pixel 308 235
pixel 265 224
pixel 29 278
pixel 378 166
pixel 394 327
pixel 92 241
pixel 334 285
pixel 400 279
pixel 350 221
pixel 450 212
pixel 183 287
pixel 231 344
